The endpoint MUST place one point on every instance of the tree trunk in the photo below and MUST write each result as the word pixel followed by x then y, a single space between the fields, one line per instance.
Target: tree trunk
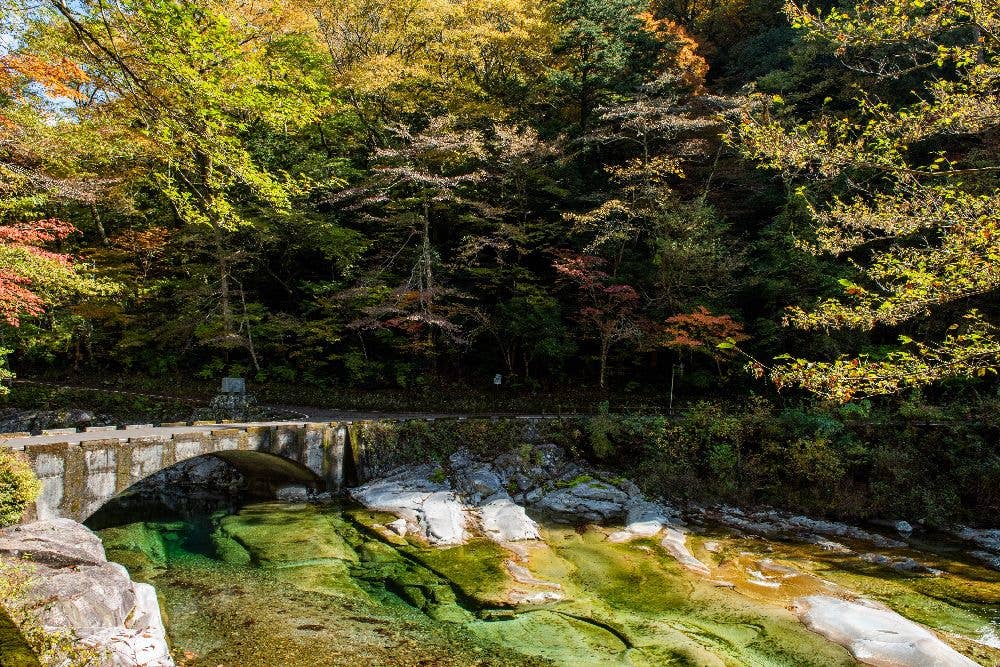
pixel 605 345
pixel 220 255
pixel 98 224
pixel 220 250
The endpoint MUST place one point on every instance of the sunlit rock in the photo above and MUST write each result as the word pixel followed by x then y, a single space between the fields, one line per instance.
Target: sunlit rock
pixel 430 508
pixel 505 521
pixel 876 635
pixel 675 542
pixel 75 588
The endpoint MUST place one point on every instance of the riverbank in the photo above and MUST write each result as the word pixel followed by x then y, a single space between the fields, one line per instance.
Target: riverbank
pixel 928 465
pixel 534 556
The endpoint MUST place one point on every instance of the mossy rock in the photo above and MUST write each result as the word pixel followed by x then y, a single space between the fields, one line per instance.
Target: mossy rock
pixel 229 550
pixel 279 535
pixel 137 546
pixel 477 569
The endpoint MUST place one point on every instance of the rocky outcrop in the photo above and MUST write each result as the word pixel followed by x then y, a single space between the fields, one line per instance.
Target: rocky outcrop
pixel 75 588
pixel 33 421
pixel 489 496
pixel 987 541
pixel 430 508
pixel 876 635
pixel 777 524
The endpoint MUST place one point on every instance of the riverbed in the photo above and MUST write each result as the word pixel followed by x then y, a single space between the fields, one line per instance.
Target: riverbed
pixel 301 584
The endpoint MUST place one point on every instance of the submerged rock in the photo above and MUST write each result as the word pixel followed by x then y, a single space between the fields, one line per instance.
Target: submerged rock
pixel 675 542
pixel 900 564
pixel 876 635
pixel 75 588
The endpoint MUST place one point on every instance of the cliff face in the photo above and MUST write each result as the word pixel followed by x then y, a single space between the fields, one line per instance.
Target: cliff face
pixel 75 588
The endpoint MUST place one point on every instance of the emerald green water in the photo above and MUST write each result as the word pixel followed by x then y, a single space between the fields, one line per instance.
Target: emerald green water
pixel 298 585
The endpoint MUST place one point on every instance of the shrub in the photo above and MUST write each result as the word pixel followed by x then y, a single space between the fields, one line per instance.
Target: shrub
pixel 18 486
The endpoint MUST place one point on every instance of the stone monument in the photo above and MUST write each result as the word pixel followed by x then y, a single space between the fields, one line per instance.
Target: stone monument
pixel 233 401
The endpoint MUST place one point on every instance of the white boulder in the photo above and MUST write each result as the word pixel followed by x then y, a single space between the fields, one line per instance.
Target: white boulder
pixel 503 520
pixel 876 635
pixel 75 588
pixel 430 508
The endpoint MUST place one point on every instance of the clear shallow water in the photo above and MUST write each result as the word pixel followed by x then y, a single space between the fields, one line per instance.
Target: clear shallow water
pixel 292 585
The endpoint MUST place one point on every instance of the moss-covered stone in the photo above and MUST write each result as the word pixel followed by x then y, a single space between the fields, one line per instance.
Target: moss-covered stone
pixel 276 534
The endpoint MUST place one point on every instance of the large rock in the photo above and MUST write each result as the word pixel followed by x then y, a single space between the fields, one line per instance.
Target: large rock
pixel 503 520
pixel 430 507
pixel 988 539
pixel 75 588
pixel 773 523
pixel 876 635
pixel 645 519
pixel 586 500
pixel 55 543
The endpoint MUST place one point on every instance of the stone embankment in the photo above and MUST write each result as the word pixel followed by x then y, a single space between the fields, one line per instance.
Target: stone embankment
pixel 74 588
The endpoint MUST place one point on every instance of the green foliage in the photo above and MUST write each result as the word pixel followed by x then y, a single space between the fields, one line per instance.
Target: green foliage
pixel 18 486
pixel 921 230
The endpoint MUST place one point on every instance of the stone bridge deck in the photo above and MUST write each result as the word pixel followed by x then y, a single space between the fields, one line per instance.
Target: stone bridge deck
pixel 82 470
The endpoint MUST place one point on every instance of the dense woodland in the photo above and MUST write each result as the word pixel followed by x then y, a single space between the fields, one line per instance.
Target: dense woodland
pixel 798 205
pixel 373 194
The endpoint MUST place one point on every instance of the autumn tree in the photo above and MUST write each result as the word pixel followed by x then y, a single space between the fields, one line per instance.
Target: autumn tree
pixel 466 56
pixel 653 138
pixel 906 192
pixel 193 78
pixel 703 332
pixel 607 309
pixel 420 186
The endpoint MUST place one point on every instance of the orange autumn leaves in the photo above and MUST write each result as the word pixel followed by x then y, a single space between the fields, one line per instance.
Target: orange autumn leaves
pixel 59 78
pixel 684 58
pixel 22 258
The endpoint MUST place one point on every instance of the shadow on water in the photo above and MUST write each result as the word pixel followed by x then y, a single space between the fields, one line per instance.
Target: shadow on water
pixel 202 486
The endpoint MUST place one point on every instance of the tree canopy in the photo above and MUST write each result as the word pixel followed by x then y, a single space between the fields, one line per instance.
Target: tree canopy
pixel 379 194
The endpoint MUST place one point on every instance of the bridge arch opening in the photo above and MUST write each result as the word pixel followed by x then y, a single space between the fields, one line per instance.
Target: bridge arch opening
pixel 203 484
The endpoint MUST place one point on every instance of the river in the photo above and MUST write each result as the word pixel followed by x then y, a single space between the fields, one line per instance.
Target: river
pixel 294 585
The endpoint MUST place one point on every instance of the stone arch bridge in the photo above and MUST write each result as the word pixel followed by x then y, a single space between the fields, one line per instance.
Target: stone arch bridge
pixel 81 471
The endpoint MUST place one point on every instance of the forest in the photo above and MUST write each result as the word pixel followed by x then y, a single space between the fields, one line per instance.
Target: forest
pixel 575 332
pixel 565 192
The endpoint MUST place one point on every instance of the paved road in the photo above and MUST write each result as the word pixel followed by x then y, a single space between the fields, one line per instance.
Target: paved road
pixel 308 415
